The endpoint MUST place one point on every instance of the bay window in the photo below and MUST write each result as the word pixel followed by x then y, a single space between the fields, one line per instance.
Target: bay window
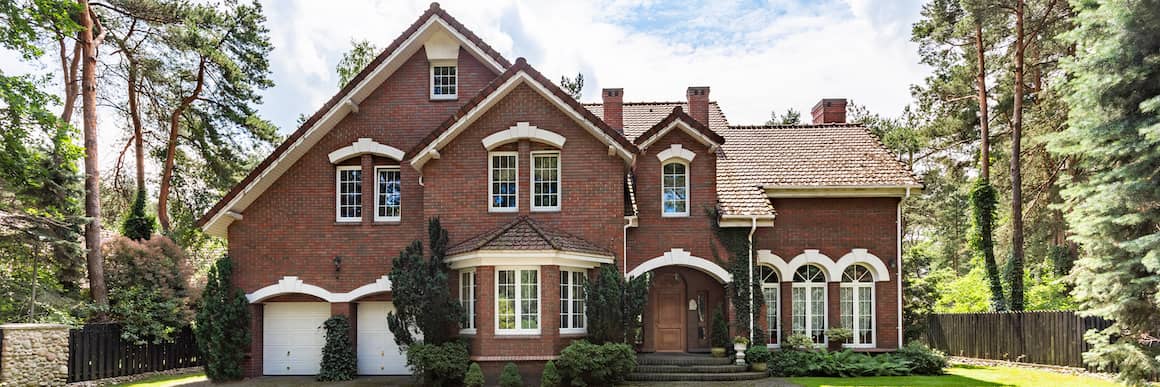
pixel 572 301
pixel 467 299
pixel 517 302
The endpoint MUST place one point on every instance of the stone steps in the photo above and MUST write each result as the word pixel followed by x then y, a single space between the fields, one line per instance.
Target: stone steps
pixel 683 360
pixel 689 368
pixel 695 377
pixel 694 369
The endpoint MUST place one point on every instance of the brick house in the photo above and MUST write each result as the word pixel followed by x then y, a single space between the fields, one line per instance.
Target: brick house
pixel 536 191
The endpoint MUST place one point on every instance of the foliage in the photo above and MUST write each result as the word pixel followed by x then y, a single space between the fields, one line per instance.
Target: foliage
pixel 138 225
pixel 222 327
pixel 438 364
pixel 421 293
pixel 550 377
pixel 981 238
pixel 919 290
pixel 474 376
pixel 790 117
pixel 843 363
pixel 741 340
pixel 338 358
pixel 839 335
pixel 745 290
pixel 720 334
pixel 618 319
pixel 799 342
pixel 149 283
pixel 1113 131
pixel 757 354
pixel 582 363
pixel 573 86
pixel 922 359
pixel 361 53
pixel 510 377
pixel 965 293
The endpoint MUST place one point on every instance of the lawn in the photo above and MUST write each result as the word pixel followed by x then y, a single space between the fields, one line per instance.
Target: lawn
pixel 964 375
pixel 167 380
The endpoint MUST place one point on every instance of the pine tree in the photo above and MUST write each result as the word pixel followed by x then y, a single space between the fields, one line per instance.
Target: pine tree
pixel 1114 133
pixel 222 325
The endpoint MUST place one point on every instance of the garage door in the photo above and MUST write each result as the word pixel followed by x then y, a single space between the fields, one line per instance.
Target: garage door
pixel 377 352
pixel 293 337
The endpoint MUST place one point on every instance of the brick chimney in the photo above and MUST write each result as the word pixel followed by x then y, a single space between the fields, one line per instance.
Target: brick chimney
pixel 830 111
pixel 699 103
pixel 614 108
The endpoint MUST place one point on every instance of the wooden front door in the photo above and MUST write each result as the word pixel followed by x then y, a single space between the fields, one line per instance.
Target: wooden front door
pixel 668 306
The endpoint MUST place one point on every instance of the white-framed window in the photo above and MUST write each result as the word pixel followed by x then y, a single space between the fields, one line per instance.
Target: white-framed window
pixel 348 193
pixel 675 189
pixel 517 301
pixel 572 308
pixel 444 80
pixel 546 181
pixel 857 304
pixel 388 194
pixel 809 303
pixel 503 172
pixel 467 299
pixel 771 290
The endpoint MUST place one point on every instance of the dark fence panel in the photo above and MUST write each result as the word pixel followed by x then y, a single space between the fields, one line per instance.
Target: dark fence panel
pixel 96 351
pixel 1040 337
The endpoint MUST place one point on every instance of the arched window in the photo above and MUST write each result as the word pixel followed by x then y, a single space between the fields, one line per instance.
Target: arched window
pixel 771 290
pixel 675 189
pixel 857 301
pixel 809 303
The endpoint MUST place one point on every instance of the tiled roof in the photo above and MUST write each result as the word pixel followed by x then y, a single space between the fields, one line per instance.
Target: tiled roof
pixel 678 114
pixel 638 117
pixel 524 233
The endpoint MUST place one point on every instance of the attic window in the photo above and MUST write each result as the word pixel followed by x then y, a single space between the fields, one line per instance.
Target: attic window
pixel 444 80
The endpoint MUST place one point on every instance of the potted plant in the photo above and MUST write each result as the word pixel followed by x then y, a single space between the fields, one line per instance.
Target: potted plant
pixel 720 334
pixel 739 343
pixel 837 337
pixel 758 357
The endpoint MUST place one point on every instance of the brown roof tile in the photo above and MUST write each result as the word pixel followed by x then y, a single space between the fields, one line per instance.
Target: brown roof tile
pixel 524 233
pixel 679 114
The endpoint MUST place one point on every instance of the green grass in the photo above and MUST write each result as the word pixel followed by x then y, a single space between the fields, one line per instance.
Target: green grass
pixel 167 380
pixel 967 376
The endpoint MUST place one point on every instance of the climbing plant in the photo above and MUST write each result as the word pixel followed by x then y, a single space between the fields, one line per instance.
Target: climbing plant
pixel 744 287
pixel 338 359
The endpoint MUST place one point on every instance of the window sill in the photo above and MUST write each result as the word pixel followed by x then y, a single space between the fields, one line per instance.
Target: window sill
pixel 858 346
pixel 348 222
pixel 773 346
pixel 573 332
pixel 444 97
pixel 514 335
pixel 664 215
pixel 467 332
pixel 387 222
pixel 534 209
pixel 503 210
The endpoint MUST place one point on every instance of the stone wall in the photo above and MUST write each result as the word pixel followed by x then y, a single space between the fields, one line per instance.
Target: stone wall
pixel 34 355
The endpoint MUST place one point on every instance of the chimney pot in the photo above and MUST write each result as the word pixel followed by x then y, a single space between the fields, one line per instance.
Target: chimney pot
pixel 613 103
pixel 830 111
pixel 698 97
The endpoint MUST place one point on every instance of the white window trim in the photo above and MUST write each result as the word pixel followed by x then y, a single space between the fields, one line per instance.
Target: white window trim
pixel 854 316
pixel 583 330
pixel 532 183
pixel 473 312
pixel 338 194
pixel 490 181
pixel 825 309
pixel 777 291
pixel 518 301
pixel 378 194
pixel 688 194
pixel 431 79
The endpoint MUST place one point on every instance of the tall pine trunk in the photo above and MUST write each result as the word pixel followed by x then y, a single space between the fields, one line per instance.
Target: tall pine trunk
pixel 171 147
pixel 1015 277
pixel 92 168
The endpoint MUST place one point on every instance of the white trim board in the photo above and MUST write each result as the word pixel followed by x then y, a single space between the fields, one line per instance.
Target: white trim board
pixel 680 257
pixel 293 285
pixel 832 269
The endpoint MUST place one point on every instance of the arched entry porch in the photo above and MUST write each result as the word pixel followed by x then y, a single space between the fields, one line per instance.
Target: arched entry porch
pixel 684 293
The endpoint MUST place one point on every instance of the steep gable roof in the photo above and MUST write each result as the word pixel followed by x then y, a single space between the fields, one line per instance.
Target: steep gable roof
pixel 679 119
pixel 639 117
pixel 434 20
pixel 524 233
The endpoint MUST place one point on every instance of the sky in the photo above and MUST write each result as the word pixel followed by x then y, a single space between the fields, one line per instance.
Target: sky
pixel 757 56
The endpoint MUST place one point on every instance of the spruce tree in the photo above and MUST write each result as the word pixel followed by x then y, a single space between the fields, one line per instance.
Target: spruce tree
pixel 1113 133
pixel 222 326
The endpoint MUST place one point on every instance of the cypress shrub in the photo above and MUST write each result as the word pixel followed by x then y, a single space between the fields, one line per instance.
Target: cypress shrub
pixel 550 377
pixel 511 376
pixel 474 377
pixel 222 325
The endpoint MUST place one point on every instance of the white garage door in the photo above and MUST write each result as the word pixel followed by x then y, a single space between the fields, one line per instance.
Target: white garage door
pixel 293 337
pixel 377 352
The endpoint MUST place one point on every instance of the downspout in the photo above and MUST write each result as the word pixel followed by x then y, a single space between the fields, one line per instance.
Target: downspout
pixel 752 230
pixel 898 267
pixel 624 240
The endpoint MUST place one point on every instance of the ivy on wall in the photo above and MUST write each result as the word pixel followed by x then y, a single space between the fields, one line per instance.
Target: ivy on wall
pixel 736 243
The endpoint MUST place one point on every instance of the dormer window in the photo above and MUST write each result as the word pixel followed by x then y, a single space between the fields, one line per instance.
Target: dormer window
pixel 675 189
pixel 444 80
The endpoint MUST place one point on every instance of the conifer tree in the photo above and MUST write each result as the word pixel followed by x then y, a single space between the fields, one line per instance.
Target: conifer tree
pixel 222 326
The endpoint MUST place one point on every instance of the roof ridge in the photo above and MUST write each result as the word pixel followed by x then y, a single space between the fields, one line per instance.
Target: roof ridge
pixel 780 126
pixel 645 103
pixel 536 227
pixel 498 231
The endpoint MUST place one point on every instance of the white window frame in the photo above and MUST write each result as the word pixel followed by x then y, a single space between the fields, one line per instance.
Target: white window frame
pixel 776 321
pixel 688 197
pixel 519 312
pixel 806 287
pixel 532 180
pixel 468 300
pixel 378 194
pixel 491 182
pixel 431 79
pixel 855 315
pixel 573 296
pixel 338 194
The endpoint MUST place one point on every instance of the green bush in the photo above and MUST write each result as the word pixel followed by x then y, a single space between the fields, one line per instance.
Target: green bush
pixel 222 328
pixel 922 359
pixel 790 363
pixel 149 287
pixel 338 359
pixel 511 376
pixel 474 377
pixel 138 225
pixel 839 335
pixel 799 342
pixel 720 335
pixel 844 364
pixel 583 363
pixel 757 354
pixel 621 301
pixel 550 377
pixel 438 364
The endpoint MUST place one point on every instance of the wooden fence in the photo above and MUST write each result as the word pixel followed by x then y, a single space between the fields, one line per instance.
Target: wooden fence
pixel 1040 337
pixel 97 351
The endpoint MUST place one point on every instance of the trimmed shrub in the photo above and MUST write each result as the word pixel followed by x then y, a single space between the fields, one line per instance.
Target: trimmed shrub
pixel 720 334
pixel 338 359
pixel 757 354
pixel 222 328
pixel 550 377
pixel 583 363
pixel 511 376
pixel 438 364
pixel 474 377
pixel 922 359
